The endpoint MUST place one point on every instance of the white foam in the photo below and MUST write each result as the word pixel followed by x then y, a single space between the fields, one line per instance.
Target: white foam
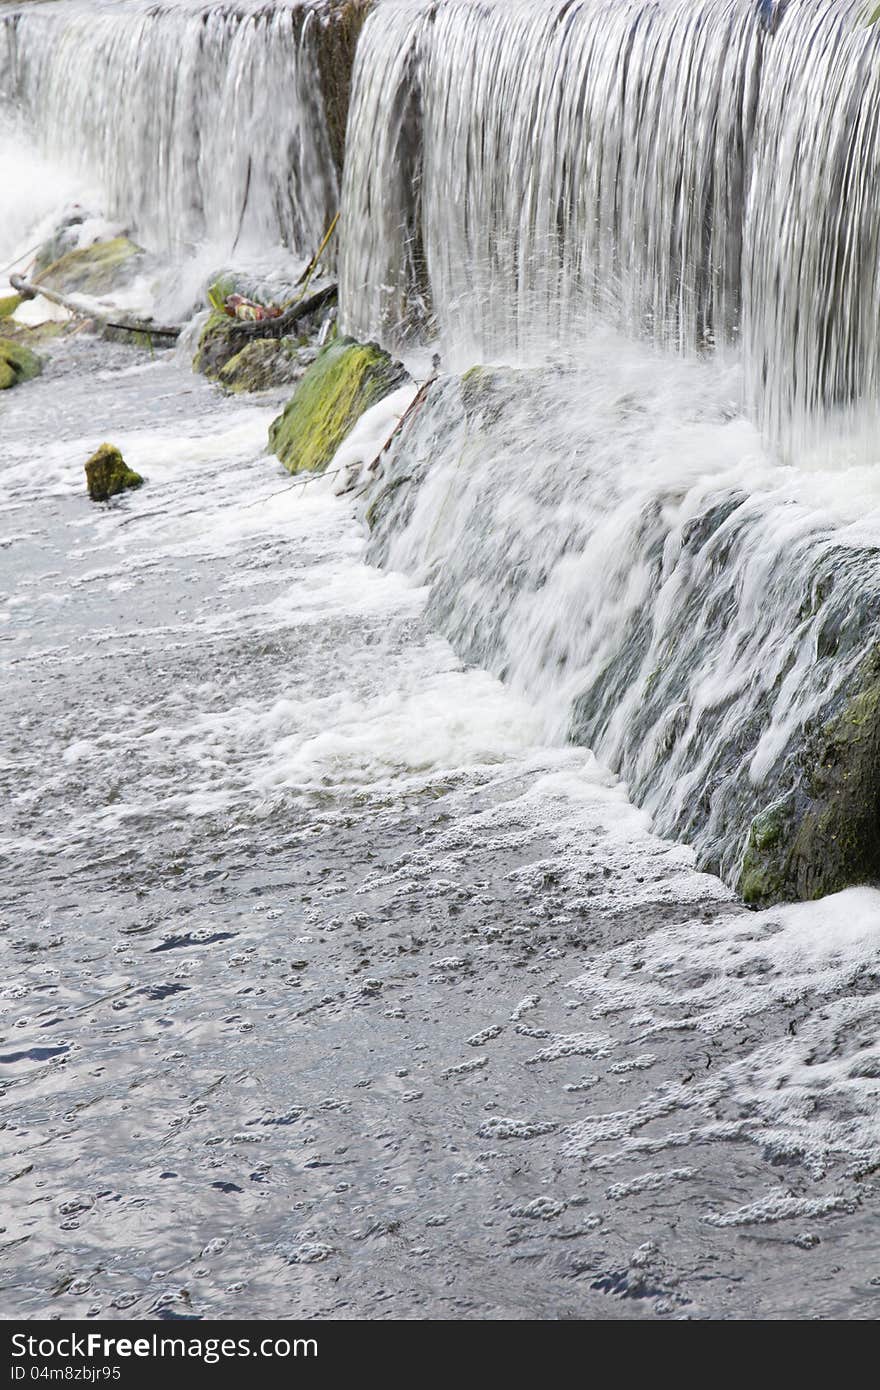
pixel 369 437
pixel 36 190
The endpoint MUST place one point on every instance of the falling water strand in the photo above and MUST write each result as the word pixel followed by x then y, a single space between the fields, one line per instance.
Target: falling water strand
pixel 700 171
pixel 200 122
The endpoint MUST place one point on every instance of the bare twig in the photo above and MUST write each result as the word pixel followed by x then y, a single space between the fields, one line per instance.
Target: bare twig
pixel 84 310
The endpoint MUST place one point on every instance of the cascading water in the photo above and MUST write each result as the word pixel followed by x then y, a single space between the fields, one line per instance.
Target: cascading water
pixel 199 121
pixel 610 534
pixel 339 975
pixel 517 175
pixel 616 544
pixel 703 171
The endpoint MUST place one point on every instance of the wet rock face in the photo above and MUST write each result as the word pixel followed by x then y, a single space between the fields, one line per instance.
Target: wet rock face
pixel 17 364
pixel 716 645
pixel 335 40
pixel 824 835
pixel 107 473
pixel 346 379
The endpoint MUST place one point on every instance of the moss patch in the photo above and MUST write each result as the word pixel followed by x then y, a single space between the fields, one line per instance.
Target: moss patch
pixel 107 473
pixel 825 836
pixel 262 364
pixel 94 269
pixel 31 334
pixel 8 305
pixel 17 364
pixel 346 379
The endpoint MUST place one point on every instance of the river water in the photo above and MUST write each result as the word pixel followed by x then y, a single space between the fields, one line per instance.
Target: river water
pixel 328 989
pixel 332 985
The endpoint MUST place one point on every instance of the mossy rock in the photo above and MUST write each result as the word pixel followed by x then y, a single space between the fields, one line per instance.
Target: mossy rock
pixel 17 364
pixel 221 340
pixel 94 270
pixel 8 305
pixel 825 835
pixel 346 379
pixel 63 239
pixel 262 364
pixel 225 337
pixel 217 344
pixel 32 334
pixel 107 473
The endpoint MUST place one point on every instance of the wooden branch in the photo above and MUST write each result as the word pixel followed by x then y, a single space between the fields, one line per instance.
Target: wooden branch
pixel 412 409
pixel 280 327
pixel 82 309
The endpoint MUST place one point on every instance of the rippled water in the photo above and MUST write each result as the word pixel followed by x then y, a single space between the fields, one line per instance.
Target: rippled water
pixel 328 988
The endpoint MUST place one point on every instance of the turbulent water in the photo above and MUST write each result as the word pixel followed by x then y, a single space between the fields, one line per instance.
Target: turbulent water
pixel 703 171
pixel 331 989
pixel 337 982
pixel 617 544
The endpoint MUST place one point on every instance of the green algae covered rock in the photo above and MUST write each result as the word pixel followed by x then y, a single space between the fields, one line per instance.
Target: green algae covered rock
pixel 8 305
pixel 17 364
pixel 824 835
pixel 346 379
pixel 217 345
pixel 107 473
pixel 262 364
pixel 94 270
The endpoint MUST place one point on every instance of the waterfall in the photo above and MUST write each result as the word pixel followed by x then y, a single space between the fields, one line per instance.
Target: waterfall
pixel 200 122
pixel 660 216
pixel 702 172
pixel 615 544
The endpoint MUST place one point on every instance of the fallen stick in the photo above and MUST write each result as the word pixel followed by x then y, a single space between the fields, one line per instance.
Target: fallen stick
pixel 84 310
pixel 411 410
pixel 312 265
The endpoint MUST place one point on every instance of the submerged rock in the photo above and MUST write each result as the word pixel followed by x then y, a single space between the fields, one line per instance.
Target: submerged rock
pixel 107 473
pixel 94 269
pixel 346 379
pixel 17 364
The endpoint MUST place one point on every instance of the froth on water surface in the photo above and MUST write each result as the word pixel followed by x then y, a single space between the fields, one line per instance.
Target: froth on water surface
pixel 331 987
